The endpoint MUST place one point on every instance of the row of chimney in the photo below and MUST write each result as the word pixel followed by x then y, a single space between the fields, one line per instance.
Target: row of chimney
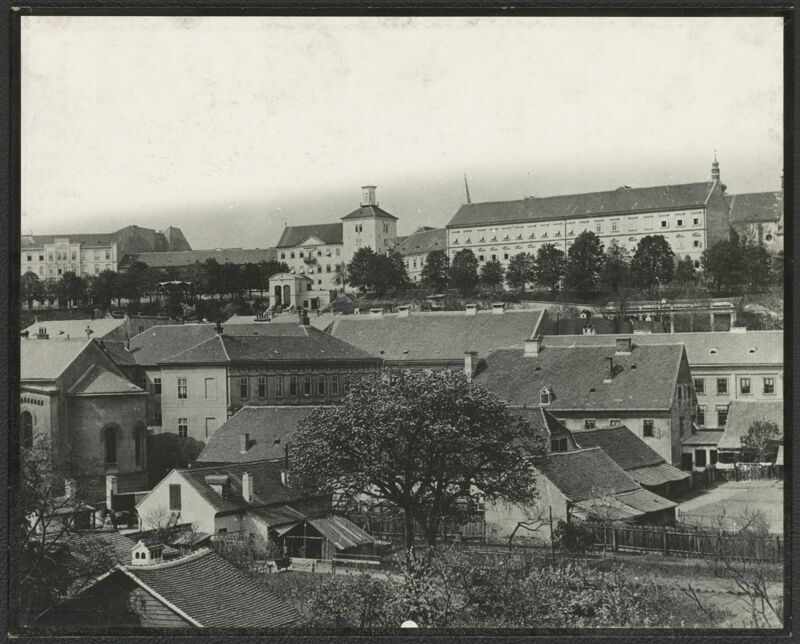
pixel 404 310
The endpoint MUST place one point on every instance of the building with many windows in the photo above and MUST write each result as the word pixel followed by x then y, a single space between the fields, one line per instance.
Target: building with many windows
pixel 321 251
pixel 415 249
pixel 759 216
pixel 690 216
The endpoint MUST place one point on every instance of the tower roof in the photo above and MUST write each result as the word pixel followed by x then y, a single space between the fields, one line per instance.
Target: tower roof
pixel 367 212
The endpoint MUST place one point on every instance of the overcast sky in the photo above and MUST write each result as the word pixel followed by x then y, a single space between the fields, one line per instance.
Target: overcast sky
pixel 230 127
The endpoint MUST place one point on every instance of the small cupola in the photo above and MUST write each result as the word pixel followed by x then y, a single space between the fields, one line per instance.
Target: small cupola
pixel 546 395
pixel 146 555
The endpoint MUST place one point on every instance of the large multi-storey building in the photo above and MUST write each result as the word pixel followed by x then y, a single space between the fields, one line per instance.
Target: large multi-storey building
pixel 690 216
pixel 415 249
pixel 50 256
pixel 759 216
pixel 321 251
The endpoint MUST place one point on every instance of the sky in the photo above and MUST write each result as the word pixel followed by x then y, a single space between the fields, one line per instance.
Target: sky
pixel 229 128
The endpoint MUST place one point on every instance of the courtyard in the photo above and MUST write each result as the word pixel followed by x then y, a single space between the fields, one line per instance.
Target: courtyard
pixel 732 501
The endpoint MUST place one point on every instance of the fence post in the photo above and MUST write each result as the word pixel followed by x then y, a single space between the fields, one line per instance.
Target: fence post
pixel 312 566
pixel 614 538
pixel 778 543
pixel 666 544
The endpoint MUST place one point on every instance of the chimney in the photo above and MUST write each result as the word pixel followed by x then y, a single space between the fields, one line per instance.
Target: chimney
pixel 244 443
pixel 36 319
pixel 285 478
pixel 368 196
pixel 623 345
pixel 533 347
pixel 247 487
pixel 498 308
pixel 471 309
pixel 403 311
pixel 376 313
pixel 218 327
pixel 286 456
pixel 305 321
pixel 610 375
pixel 470 363
pixel 127 344
pixel 111 490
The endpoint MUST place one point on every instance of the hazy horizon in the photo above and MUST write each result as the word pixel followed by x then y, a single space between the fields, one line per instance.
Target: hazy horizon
pixel 229 127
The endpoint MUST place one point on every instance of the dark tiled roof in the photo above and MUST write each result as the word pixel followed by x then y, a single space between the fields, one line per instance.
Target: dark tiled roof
pixel 654 475
pixel 544 424
pixel 86 239
pixel 184 258
pixel 214 593
pixel 621 444
pixel 280 515
pixel 422 242
pixel 94 544
pixel 622 200
pixel 586 473
pixel 267 486
pixel 294 235
pixel 270 430
pixel 160 342
pixel 437 336
pixel 755 207
pixel 702 349
pixel 742 414
pixel 644 379
pixel 310 344
pixel 645 501
pixel 118 353
pixel 704 437
pixel 364 212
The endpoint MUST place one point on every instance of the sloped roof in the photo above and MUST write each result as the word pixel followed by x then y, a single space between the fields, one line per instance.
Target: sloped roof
pixel 86 239
pixel 438 336
pixel 280 515
pixel 645 501
pixel 423 241
pixel 307 344
pixel 742 414
pixel 644 379
pixel 215 593
pixel 97 380
pixel 319 321
pixel 702 349
pixel 267 486
pixel 270 429
pixel 654 475
pixel 120 356
pixel 75 329
pixel 586 473
pixel 704 437
pixel 364 212
pixel 47 359
pixel 621 200
pixel 343 534
pixel 161 341
pixel 184 258
pixel 88 544
pixel 755 207
pixel 543 424
pixel 295 235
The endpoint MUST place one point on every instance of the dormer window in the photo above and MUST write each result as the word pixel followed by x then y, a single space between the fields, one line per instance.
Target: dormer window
pixel 545 396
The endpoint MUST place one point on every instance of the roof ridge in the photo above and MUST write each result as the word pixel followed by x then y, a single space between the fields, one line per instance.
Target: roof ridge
pixel 159 596
pixel 194 346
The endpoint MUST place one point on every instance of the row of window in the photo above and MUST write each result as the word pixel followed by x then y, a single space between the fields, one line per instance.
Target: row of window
pixel 301 253
pixel 318 385
pixel 65 257
pixel 745 386
pixel 722 415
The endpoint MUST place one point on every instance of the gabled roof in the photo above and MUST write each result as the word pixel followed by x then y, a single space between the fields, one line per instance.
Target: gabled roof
pixel 703 437
pixel 214 593
pixel 270 430
pixel 544 424
pixel 742 414
pixel 631 453
pixel 365 212
pixel 423 241
pixel 98 381
pixel 47 359
pixel 267 486
pixel 85 239
pixel 644 379
pixel 621 200
pixel 343 534
pixel 184 258
pixel 287 343
pixel 75 329
pixel 296 235
pixel 755 207
pixel 437 336
pixel 160 342
pixel 702 349
pixel 586 474
pixel 231 326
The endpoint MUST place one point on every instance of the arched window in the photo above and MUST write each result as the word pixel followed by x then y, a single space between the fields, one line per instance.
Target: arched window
pixel 26 429
pixel 110 436
pixel 545 396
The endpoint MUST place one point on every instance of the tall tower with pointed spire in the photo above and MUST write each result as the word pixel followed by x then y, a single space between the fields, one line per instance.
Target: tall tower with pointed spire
pixel 715 176
pixel 466 187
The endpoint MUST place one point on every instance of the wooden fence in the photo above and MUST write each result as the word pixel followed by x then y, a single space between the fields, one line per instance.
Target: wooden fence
pixel 686 542
pixel 392 527
pixel 757 472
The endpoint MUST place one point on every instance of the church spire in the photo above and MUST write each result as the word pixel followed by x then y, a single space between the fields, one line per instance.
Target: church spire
pixel 466 187
pixel 715 175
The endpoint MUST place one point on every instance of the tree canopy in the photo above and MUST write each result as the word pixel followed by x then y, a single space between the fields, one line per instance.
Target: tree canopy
pixel 585 263
pixel 424 443
pixel 464 271
pixel 761 437
pixel 521 270
pixel 492 273
pixel 653 262
pixel 31 288
pixel 435 270
pixel 551 264
pixel 379 272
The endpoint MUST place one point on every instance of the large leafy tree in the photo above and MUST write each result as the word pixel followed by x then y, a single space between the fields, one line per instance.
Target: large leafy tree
pixel 137 281
pixel 424 443
pixel 31 288
pixel 358 269
pixel 616 274
pixel 585 263
pixel 71 289
pixel 551 265
pixel 761 437
pixel 105 287
pixel 386 273
pixel 755 264
pixel 464 271
pixel 685 272
pixel 653 263
pixel 521 270
pixel 492 273
pixel 435 270
pixel 722 265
